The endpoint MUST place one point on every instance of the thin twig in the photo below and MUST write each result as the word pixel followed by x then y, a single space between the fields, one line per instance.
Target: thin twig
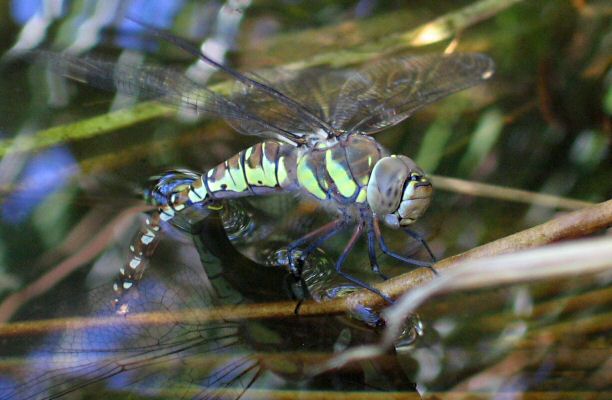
pixel 528 353
pixel 571 225
pixel 574 304
pixel 446 26
pixel 503 193
pixel 575 224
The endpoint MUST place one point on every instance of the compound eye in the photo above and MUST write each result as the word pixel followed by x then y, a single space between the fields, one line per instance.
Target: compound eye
pixel 385 187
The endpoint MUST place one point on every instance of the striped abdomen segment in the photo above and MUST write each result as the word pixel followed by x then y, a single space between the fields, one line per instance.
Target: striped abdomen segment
pixel 264 168
pixel 261 169
pixel 267 167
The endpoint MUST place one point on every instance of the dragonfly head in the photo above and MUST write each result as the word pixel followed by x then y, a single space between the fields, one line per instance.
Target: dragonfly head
pixel 398 191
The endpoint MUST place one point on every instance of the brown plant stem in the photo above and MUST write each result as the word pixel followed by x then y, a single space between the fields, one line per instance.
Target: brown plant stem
pixel 472 188
pixel 571 225
pixel 568 226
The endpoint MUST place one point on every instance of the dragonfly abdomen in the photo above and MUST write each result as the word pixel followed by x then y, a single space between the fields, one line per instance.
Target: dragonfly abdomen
pixel 260 169
pixel 264 168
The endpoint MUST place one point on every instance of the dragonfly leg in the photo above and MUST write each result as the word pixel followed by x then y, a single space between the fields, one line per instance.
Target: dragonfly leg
pixel 315 235
pixel 399 257
pixel 338 226
pixel 349 246
pixel 291 279
pixel 417 236
pixel 318 236
pixel 368 219
pixel 372 253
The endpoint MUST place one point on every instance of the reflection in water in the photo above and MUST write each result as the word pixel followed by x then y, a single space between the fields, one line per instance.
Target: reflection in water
pixel 183 339
pixel 502 352
pixel 547 337
pixel 180 340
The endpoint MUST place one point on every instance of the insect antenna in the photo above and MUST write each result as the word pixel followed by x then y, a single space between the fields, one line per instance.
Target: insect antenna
pixel 183 44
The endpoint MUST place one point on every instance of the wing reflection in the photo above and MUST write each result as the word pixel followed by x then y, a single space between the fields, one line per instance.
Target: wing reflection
pixel 179 339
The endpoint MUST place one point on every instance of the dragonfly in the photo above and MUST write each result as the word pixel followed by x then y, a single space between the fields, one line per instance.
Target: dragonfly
pixel 317 126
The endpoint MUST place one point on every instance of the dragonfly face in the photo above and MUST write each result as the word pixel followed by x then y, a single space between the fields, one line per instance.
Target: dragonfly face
pixel 398 191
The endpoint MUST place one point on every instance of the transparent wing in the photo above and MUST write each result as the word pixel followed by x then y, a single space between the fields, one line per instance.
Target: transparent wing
pixel 316 90
pixel 366 100
pixel 295 105
pixel 387 92
pixel 166 85
pixel 125 354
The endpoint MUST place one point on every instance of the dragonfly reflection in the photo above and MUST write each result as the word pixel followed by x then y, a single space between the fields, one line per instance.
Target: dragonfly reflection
pixel 179 342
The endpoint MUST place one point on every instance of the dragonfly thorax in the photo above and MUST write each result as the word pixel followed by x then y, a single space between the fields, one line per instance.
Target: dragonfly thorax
pixel 398 191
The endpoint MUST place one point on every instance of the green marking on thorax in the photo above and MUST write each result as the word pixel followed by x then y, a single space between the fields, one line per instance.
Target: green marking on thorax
pixel 199 191
pixel 340 175
pixel 362 196
pixel 215 186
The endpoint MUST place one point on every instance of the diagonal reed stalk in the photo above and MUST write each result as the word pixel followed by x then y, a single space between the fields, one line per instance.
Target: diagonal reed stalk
pixel 571 225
